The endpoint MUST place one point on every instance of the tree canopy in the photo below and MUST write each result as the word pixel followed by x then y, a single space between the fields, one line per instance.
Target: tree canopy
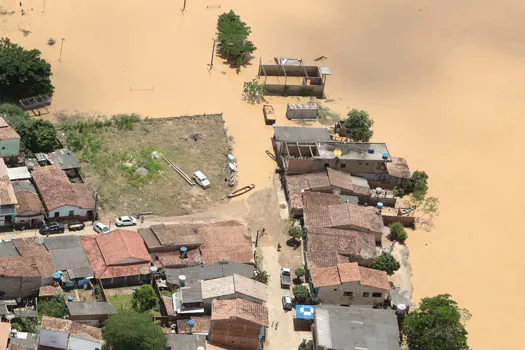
pixel 417 185
pixel 436 324
pixel 22 72
pixel 295 232
pixel 397 232
pixel 299 272
pixel 128 329
pixel 359 125
pixel 54 307
pixel 38 135
pixel 13 115
pixel 386 262
pixel 234 45
pixel 144 298
pixel 301 293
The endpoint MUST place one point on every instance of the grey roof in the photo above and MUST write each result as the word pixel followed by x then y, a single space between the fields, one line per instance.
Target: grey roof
pixel 186 341
pixel 85 308
pixel 354 150
pixel 69 255
pixel 349 199
pixel 300 134
pixel 64 158
pixel 191 293
pixel 20 312
pixel 8 250
pixel 23 185
pixel 208 272
pixel 62 242
pixel 349 328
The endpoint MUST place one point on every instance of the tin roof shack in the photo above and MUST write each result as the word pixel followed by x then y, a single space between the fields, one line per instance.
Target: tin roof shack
pixel 58 333
pixel 204 243
pixel 69 257
pixel 63 158
pixel 29 209
pixel 7 197
pixel 348 284
pixel 90 313
pixel 348 328
pixel 62 199
pixel 233 287
pixel 345 216
pixel 118 258
pixel 9 141
pixel 238 323
pixel 328 247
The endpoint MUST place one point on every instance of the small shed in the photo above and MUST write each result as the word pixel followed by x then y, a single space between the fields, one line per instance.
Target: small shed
pixel 304 316
pixel 302 110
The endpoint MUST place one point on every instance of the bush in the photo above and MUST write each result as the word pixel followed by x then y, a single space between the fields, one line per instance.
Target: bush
pixel 22 72
pixel 38 135
pixel 386 262
pixel 233 35
pixel 261 276
pixel 299 272
pixel 98 293
pixel 295 232
pixel 144 298
pixel 301 293
pixel 253 91
pixel 397 233
pixel 417 185
pixel 54 307
pixel 359 125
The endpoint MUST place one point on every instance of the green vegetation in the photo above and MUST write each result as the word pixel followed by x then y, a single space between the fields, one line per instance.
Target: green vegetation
pixel 301 293
pixel 417 185
pixel 386 262
pixel 38 135
pixel 437 323
pixel 25 324
pixel 141 158
pixel 22 72
pixel 98 293
pixel 397 232
pixel 253 91
pixel 326 116
pixel 299 272
pixel 128 329
pixel 262 276
pixel 233 44
pixel 13 115
pixel 359 125
pixel 121 302
pixel 54 307
pixel 306 345
pixel 296 233
pixel 144 298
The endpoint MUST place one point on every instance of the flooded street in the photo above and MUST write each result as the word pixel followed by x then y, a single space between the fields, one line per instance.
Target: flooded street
pixel 444 81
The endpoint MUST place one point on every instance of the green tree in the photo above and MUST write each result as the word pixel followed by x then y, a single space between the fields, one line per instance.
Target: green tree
pixel 22 72
pixel 144 298
pixel 299 272
pixel 54 307
pixel 306 345
pixel 359 125
pixel 128 329
pixel 38 135
pixel 386 262
pixel 296 233
pixel 397 232
pixel 13 115
pixel 301 293
pixel 261 276
pixel 437 323
pixel 233 34
pixel 417 185
pixel 253 91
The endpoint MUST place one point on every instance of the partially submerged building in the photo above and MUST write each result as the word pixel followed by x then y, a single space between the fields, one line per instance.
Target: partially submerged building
pixel 348 284
pixel 350 328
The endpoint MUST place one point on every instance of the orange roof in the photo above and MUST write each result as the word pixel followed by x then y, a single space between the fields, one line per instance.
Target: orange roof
pixel 325 276
pixel 7 194
pixel 71 327
pixel 4 334
pixel 374 278
pixel 344 215
pixel 239 309
pixel 346 273
pixel 349 272
pixel 202 325
pixel 36 252
pixel 7 132
pixel 120 245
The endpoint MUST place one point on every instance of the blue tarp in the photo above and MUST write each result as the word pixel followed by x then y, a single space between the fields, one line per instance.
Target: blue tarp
pixel 304 312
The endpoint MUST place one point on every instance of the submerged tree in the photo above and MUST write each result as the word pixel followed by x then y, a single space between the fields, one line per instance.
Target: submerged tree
pixel 233 39
pixel 386 262
pixel 359 125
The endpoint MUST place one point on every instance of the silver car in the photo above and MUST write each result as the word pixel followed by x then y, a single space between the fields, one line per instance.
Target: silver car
pixel 100 227
pixel 287 302
pixel 125 221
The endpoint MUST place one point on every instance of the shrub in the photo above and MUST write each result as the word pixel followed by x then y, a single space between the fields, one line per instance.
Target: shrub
pixel 397 232
pixel 144 298
pixel 386 262
pixel 38 135
pixel 295 232
pixel 301 293
pixel 253 91
pixel 54 307
pixel 261 276
pixel 299 272
pixel 359 125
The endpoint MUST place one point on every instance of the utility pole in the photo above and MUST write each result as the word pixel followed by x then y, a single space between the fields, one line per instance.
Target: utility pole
pixel 61 46
pixel 213 53
pixel 184 7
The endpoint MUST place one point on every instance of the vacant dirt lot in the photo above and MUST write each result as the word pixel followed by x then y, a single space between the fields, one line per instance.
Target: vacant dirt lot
pixel 193 143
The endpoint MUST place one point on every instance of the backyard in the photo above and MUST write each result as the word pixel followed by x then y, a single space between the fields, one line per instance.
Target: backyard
pixel 112 149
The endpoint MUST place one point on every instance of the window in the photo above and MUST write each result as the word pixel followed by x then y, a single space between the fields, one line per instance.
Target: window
pixel 360 163
pixel 376 295
pixel 348 294
pixel 326 165
pixel 71 212
pixel 3 147
pixel 57 214
pixel 366 294
pixel 335 289
pixel 343 166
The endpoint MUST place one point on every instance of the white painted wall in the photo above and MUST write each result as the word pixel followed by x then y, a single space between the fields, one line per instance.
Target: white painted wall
pixel 83 344
pixel 335 294
pixel 53 339
pixel 64 211
pixel 9 148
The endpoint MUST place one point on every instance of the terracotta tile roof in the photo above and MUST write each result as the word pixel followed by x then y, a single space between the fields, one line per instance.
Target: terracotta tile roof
pixel 28 204
pixel 177 233
pixel 325 276
pixel 32 249
pixel 239 309
pixel 18 267
pixel 226 243
pixel 98 264
pixel 173 259
pixel 71 327
pixel 340 179
pixel 359 245
pixel 7 132
pixel 202 325
pixel 318 180
pixel 250 287
pixel 5 327
pixel 398 167
pixel 7 194
pixel 374 278
pixel 344 216
pixel 324 258
pixel 120 245
pixel 319 199
pixel 49 291
pixel 168 305
pixel 295 185
pixel 215 346
pixel 349 272
pixel 57 191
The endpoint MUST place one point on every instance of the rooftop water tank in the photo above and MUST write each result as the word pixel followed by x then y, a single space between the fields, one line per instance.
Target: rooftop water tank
pixel 183 251
pixel 401 309
pixel 191 323
pixel 182 280
pixel 385 155
pixel 379 190
pixel 379 205
pixel 371 150
pixel 70 298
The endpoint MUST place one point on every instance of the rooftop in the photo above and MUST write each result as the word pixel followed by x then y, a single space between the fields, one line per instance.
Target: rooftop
pixel 192 293
pixel 19 173
pixel 5 327
pixel 8 250
pixel 7 194
pixel 86 308
pixel 7 132
pixel 343 216
pixel 399 168
pixel 354 150
pixel 208 272
pixel 121 246
pixel 173 259
pixel 32 248
pixel 71 327
pixel 325 276
pixel 300 134
pixel 234 284
pixel 186 341
pixel 69 255
pixel 64 158
pixel 349 328
pixel 239 309
pixel 57 191
pixel 49 291
pixel 346 273
pixel 29 204
pixel 202 324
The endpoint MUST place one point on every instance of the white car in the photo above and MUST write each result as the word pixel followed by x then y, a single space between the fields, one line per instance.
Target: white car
pixel 100 227
pixel 201 179
pixel 125 221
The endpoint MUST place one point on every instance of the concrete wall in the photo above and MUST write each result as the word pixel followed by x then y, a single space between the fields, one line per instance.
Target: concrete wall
pixel 64 212
pixel 407 221
pixel 207 302
pixel 9 148
pixel 118 282
pixel 14 287
pixel 335 294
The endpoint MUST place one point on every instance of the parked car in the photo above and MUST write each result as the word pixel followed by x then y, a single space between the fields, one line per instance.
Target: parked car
pixel 51 228
pixel 100 227
pixel 287 302
pixel 76 226
pixel 201 179
pixel 125 221
pixel 286 277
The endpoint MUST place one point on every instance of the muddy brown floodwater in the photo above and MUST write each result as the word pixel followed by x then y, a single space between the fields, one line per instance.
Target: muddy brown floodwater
pixel 444 81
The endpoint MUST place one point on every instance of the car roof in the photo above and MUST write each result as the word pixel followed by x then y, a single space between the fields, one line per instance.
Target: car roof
pixel 199 173
pixel 98 223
